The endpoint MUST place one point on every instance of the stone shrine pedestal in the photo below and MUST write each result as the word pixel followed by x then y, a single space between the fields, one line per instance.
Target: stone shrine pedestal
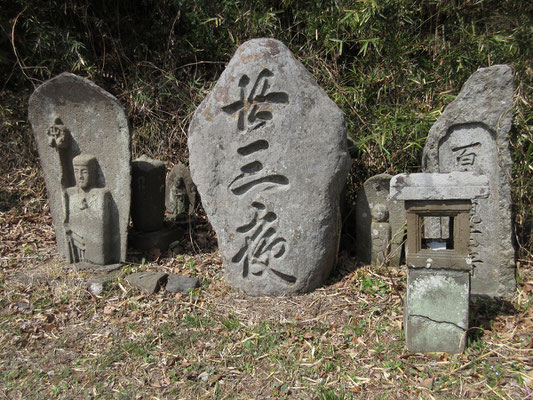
pixel 438 279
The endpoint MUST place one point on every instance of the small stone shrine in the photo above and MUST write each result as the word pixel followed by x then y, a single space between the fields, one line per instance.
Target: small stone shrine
pixel 180 194
pixel 472 134
pixel 83 141
pixel 148 206
pixel 376 243
pixel 438 278
pixel 268 155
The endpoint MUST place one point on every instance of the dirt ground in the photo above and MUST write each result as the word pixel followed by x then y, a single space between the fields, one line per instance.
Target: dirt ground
pixel 344 340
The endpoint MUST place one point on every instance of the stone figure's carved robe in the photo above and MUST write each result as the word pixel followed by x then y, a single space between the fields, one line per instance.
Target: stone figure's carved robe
pixel 381 236
pixel 87 220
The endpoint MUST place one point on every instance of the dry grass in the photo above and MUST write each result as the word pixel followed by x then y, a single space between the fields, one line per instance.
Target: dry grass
pixel 344 340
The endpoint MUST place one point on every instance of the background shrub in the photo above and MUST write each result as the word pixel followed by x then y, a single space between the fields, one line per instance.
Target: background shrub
pixel 390 65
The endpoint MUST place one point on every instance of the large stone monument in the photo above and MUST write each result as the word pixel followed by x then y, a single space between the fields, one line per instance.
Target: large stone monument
pixel 268 155
pixel 472 134
pixel 83 141
pixel 371 241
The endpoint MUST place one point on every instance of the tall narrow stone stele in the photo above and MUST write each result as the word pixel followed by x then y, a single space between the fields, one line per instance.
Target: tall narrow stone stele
pixel 80 128
pixel 472 134
pixel 268 155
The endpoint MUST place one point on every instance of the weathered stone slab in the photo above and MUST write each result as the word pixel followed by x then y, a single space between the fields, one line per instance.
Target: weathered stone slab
pixel 148 194
pixel 179 283
pixel 180 193
pixel 83 141
pixel 148 281
pixel 148 206
pixel 268 155
pixel 89 267
pixel 375 191
pixel 439 186
pixel 436 310
pixel 473 135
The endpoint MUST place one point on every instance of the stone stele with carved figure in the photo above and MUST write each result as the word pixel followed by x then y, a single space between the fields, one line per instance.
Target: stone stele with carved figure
pixel 268 155
pixel 83 140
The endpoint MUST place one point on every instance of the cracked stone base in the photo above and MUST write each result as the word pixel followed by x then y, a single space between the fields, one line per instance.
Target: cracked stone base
pixel 426 336
pixel 436 310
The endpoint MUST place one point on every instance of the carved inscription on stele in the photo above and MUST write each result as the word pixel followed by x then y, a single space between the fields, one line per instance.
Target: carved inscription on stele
pixel 252 107
pixel 472 147
pixel 263 246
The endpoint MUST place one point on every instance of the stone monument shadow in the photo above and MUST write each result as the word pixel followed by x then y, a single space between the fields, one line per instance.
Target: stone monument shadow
pixel 483 311
pixel 115 230
pixel 346 265
pixel 8 200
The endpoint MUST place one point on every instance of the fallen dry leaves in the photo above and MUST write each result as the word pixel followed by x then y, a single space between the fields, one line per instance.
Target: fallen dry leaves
pixel 344 340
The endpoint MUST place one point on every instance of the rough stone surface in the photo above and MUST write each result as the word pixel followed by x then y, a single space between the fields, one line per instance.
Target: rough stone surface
pixel 89 267
pixel 376 191
pixel 439 186
pixel 179 283
pixel 148 194
pixel 149 281
pixel 98 284
pixel 436 310
pixel 71 116
pixel 472 134
pixel 268 155
pixel 180 193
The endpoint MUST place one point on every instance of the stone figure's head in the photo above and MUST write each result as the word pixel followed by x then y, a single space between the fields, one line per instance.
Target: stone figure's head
pixel 58 135
pixel 84 170
pixel 380 213
pixel 181 188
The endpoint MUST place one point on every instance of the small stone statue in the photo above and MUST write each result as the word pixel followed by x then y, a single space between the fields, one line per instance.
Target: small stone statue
pixel 381 234
pixel 182 200
pixel 180 197
pixel 87 215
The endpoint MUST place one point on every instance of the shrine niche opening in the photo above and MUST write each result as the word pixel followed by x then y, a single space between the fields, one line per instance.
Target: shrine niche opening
pixel 447 249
